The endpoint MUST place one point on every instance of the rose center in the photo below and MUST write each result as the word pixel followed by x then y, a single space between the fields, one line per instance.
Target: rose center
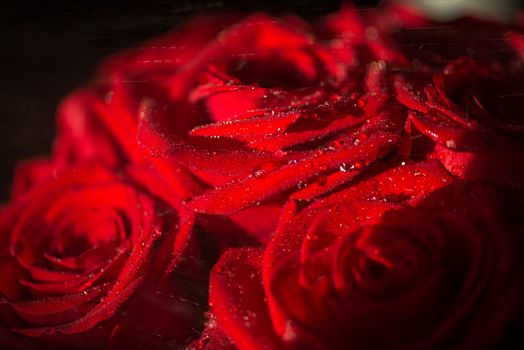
pixel 79 233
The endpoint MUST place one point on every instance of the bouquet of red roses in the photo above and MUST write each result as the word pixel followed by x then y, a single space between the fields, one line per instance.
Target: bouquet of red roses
pixel 258 182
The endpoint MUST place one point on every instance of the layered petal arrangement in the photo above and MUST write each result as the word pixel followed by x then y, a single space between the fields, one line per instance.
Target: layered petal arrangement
pixel 75 247
pixel 368 274
pixel 263 182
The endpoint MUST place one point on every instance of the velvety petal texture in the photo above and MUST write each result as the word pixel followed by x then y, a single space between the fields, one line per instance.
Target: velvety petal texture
pixel 76 247
pixel 257 181
pixel 424 273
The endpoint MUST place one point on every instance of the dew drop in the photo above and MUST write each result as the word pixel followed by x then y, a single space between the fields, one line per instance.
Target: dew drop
pixel 335 145
pixel 451 144
pixel 279 153
pixel 363 137
pixel 456 169
pixel 262 169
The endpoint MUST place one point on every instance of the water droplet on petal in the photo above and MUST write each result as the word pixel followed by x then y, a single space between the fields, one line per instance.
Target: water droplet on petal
pixel 262 169
pixel 335 145
pixel 279 153
pixel 451 144
pixel 456 169
pixel 363 137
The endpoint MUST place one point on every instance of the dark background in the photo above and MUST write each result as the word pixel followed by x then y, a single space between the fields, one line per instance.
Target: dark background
pixel 49 47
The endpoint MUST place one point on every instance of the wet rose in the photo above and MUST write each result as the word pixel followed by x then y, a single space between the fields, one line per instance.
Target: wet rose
pixel 347 154
pixel 473 114
pixel 76 247
pixel 94 127
pixel 259 110
pixel 417 273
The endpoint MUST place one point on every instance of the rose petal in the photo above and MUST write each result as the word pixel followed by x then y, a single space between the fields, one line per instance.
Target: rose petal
pixel 237 306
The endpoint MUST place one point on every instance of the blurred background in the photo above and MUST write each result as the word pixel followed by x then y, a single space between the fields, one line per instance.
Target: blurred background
pixel 49 47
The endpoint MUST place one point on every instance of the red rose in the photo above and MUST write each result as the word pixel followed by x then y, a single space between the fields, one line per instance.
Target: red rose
pixel 260 111
pixel 74 248
pixel 462 82
pixel 395 271
pixel 336 149
pixel 473 113
pixel 91 129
